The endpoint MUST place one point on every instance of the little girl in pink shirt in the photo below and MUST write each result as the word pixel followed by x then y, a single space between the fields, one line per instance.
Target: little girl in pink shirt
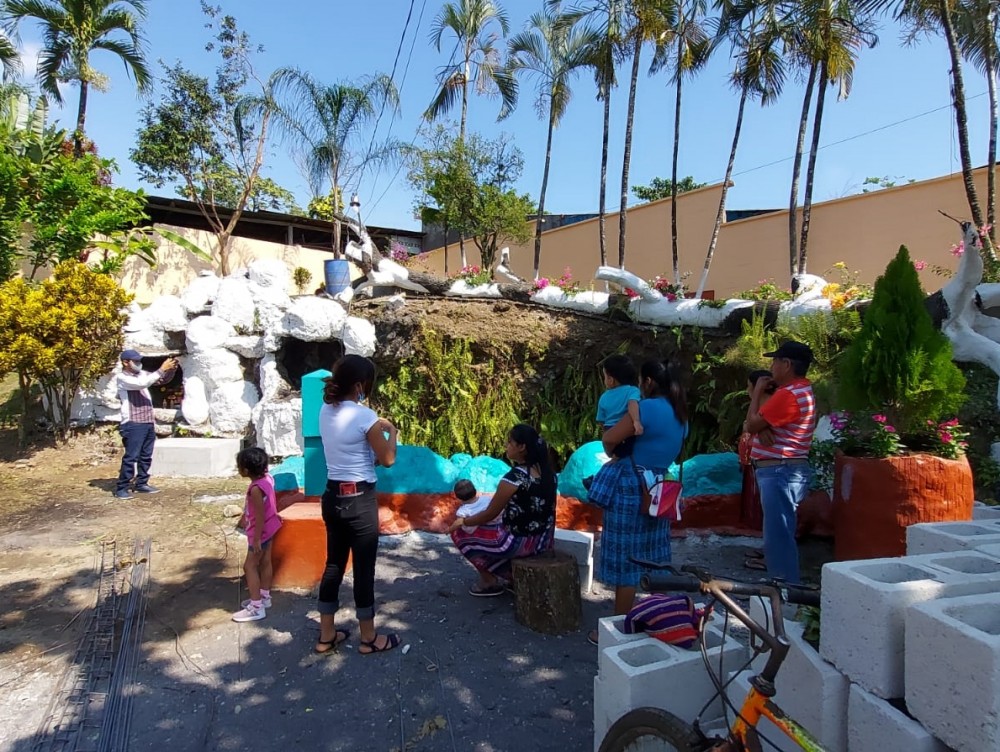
pixel 262 522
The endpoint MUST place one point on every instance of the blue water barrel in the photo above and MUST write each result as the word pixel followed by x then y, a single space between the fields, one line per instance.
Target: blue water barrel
pixel 338 275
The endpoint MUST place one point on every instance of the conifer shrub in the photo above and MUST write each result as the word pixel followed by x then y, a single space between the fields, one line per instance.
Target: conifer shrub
pixel 900 365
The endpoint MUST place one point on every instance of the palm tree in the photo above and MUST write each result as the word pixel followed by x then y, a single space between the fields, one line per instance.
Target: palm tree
pixel 327 122
pixel 800 145
pixel 10 58
pixel 72 30
pixel 646 24
pixel 842 32
pixel 604 59
pixel 939 16
pixel 686 40
pixel 976 27
pixel 478 61
pixel 553 48
pixel 757 33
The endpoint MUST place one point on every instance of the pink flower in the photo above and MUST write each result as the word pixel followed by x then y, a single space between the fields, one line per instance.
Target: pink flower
pixel 889 429
pixel 946 437
pixel 631 293
pixel 878 418
pixel 919 265
pixel 957 250
pixel 950 423
pixel 671 297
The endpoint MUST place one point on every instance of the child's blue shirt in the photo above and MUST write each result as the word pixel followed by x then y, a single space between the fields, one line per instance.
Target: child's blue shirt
pixel 613 404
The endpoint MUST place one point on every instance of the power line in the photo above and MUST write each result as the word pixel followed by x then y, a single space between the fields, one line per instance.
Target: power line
pixel 392 76
pixel 858 135
pixel 402 83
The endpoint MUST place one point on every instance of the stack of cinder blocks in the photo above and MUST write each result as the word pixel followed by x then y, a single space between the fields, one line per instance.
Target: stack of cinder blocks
pixel 636 671
pixel 909 656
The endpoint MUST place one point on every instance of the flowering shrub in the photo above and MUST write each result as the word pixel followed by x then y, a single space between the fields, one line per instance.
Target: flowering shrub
pixel 566 283
pixel 848 289
pixel 474 276
pixel 766 289
pixel 863 434
pixel 947 438
pixel 398 253
pixel 668 288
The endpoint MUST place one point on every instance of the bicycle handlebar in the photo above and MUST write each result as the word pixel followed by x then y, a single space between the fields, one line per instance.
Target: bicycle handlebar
pixel 686 583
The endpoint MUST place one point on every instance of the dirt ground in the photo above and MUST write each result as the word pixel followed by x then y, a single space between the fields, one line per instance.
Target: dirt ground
pixel 473 679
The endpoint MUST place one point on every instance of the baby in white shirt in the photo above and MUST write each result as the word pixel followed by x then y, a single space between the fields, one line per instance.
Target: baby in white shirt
pixel 475 502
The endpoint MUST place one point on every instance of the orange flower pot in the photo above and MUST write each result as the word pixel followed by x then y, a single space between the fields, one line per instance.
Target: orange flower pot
pixel 875 500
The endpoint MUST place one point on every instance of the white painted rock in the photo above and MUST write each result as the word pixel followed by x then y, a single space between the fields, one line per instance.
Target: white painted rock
pixel 137 319
pixel 167 314
pixel 359 337
pixel 803 308
pixel 214 367
pixel 208 333
pixel 587 301
pixel 313 319
pixel 148 341
pixel 279 427
pixel 272 384
pixel 234 303
pixel 270 274
pixel 194 406
pixel 198 295
pixel 230 407
pixel 249 345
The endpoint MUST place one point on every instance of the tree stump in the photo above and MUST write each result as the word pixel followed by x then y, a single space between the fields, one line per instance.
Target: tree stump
pixel 547 592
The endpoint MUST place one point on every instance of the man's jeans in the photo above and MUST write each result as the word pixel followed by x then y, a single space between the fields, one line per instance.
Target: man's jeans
pixel 782 489
pixel 138 439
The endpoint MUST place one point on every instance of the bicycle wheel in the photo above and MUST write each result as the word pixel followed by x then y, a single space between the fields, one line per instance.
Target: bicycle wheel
pixel 650 730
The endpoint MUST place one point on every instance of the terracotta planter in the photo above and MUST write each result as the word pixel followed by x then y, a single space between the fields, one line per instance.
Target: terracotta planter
pixel 875 500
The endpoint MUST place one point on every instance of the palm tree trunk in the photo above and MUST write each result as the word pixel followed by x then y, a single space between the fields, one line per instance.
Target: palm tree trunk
pixel 793 235
pixel 541 193
pixel 722 199
pixel 673 188
pixel 461 139
pixel 81 118
pixel 622 211
pixel 991 174
pixel 811 170
pixel 961 116
pixel 602 201
pixel 446 249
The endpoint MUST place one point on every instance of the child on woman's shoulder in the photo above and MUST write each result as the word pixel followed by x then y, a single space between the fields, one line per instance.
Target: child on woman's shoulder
pixel 621 397
pixel 262 522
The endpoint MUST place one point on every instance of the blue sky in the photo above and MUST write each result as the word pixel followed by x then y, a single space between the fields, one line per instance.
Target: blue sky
pixel 340 41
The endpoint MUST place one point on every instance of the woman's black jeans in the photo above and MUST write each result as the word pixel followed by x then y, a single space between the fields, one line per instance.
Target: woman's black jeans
pixel 351 528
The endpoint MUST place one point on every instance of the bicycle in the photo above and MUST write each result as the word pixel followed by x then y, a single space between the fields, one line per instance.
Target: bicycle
pixel 657 730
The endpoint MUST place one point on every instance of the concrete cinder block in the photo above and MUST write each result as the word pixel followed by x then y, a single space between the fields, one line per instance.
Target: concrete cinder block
pixel 810 689
pixel 982 512
pixel 960 566
pixel 195 458
pixel 652 673
pixel 610 632
pixel 579 545
pixel 876 726
pixel 938 537
pixel 863 625
pixel 953 665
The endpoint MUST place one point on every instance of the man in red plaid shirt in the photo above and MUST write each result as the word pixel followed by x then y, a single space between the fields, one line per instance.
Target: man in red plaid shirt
pixel 136 427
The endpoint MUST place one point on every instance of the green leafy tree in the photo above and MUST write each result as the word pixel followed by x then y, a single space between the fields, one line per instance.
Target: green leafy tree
pixel 553 49
pixel 10 58
pixel 208 139
pixel 899 364
pixel 61 334
pixel 471 183
pixel 664 188
pixel 72 30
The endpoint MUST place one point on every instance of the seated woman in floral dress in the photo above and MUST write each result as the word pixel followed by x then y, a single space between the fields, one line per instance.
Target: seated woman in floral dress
pixel 525 500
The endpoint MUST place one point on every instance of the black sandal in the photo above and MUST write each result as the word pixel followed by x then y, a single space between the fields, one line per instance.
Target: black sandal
pixel 334 643
pixel 391 641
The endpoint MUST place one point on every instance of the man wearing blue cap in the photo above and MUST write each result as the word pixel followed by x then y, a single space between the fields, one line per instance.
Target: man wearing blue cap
pixel 136 427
